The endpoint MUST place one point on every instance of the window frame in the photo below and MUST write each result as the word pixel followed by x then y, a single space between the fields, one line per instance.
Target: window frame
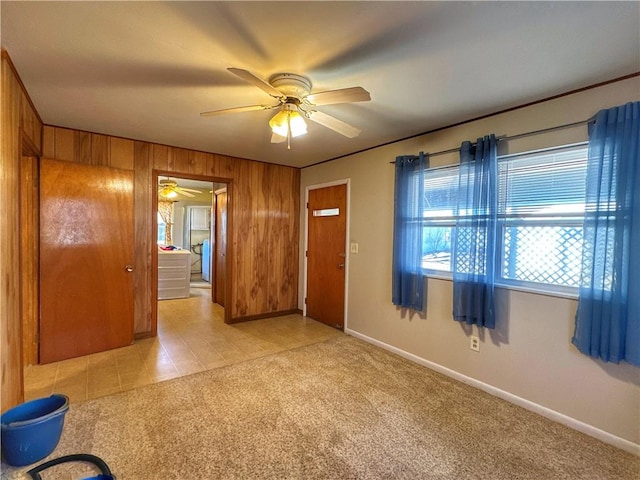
pixel 504 221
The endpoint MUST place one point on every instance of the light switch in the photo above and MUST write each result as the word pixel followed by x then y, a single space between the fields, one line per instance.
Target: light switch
pixel 354 247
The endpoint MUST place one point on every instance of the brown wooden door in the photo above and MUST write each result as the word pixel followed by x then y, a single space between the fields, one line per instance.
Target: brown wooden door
pixel 326 255
pixel 220 277
pixel 86 246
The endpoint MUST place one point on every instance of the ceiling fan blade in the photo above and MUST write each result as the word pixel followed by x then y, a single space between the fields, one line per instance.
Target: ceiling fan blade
pixel 275 138
pixel 334 124
pixel 188 190
pixel 186 194
pixel 247 76
pixel 248 108
pixel 343 95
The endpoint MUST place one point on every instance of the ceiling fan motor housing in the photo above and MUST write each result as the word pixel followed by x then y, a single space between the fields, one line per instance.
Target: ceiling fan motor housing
pixel 291 85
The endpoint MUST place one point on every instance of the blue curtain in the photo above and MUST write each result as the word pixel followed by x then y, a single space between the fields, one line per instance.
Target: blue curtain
pixel 407 277
pixel 608 316
pixel 473 253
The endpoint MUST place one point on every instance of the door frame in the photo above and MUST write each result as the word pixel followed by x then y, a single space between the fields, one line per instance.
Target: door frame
pixel 153 247
pixel 29 211
pixel 215 246
pixel 347 182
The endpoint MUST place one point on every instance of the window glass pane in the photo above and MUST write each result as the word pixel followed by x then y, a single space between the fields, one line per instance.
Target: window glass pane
pixel 436 248
pixel 440 192
pixel 550 254
pixel 440 197
pixel 471 256
pixel 543 184
pixel 162 230
pixel 541 198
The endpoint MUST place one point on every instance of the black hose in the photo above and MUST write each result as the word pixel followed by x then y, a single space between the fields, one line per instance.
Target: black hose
pixel 78 457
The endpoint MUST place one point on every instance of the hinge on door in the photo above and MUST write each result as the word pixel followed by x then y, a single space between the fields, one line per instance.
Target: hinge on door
pixel 305 301
pixel 306 253
pixel 307 204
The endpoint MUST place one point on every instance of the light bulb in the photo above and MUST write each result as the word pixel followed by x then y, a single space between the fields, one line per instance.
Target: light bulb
pixel 297 124
pixel 287 118
pixel 279 123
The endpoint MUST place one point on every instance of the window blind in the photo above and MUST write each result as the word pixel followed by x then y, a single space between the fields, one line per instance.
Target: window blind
pixel 543 185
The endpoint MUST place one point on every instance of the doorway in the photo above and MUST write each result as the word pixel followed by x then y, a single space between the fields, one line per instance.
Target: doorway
pixel 188 233
pixel 326 261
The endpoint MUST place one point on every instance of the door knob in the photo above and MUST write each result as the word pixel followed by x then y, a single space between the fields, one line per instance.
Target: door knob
pixel 128 268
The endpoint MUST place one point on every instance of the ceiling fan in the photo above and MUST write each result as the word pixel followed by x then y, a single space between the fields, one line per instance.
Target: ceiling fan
pixel 168 188
pixel 296 103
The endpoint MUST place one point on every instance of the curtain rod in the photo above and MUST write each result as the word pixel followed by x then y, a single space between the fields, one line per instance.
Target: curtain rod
pixel 519 135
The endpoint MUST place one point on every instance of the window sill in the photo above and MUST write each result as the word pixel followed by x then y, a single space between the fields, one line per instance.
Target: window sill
pixel 518 288
pixel 540 291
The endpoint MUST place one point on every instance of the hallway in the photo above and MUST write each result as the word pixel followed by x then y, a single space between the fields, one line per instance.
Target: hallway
pixel 192 337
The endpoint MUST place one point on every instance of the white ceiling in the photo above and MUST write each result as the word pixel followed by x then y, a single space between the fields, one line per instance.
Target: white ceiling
pixel 145 70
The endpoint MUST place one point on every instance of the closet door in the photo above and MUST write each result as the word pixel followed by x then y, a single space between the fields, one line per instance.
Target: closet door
pixel 86 258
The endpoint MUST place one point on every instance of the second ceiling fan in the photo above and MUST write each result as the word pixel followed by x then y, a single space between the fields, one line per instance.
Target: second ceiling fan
pixel 297 103
pixel 169 189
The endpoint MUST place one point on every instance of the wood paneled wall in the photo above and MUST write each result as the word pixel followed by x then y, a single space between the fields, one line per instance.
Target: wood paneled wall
pixel 20 133
pixel 263 207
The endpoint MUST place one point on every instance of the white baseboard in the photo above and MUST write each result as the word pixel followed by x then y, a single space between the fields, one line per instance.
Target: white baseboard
pixel 570 422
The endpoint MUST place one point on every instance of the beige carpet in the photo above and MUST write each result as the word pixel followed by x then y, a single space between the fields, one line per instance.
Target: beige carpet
pixel 342 409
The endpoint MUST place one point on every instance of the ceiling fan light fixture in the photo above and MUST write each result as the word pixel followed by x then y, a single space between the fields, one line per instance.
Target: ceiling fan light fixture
pixel 168 192
pixel 288 120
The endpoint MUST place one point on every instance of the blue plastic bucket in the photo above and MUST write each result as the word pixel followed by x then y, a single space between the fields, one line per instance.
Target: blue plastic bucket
pixel 32 430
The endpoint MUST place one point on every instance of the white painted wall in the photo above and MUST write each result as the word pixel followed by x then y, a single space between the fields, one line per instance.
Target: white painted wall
pixel 529 358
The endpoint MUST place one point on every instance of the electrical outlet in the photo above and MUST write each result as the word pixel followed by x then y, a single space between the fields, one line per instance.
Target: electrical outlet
pixel 474 343
pixel 354 247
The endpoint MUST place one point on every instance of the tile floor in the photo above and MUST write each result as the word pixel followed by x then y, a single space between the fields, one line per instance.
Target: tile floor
pixel 192 337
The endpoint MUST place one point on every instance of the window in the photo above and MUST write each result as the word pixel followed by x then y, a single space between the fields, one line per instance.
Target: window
pixel 162 231
pixel 541 199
